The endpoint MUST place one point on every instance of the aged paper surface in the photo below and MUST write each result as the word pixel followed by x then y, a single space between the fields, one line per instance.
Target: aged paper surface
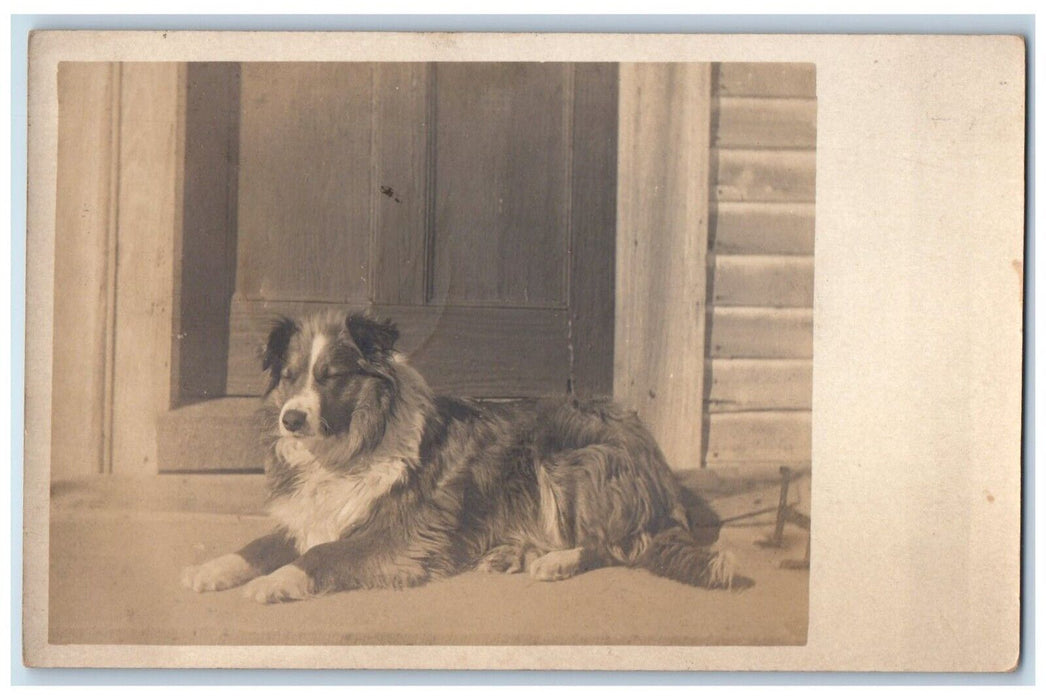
pixel 916 342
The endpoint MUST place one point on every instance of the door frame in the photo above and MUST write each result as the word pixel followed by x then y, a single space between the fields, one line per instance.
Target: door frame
pixel 646 338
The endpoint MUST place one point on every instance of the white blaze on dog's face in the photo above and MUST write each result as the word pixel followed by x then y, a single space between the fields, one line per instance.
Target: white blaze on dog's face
pixel 301 414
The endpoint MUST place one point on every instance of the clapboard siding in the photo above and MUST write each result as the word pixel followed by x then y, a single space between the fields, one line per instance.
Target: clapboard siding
pixel 744 331
pixel 758 385
pixel 763 228
pixel 750 122
pixel 765 80
pixel 760 379
pixel 755 175
pixel 764 280
pixel 758 436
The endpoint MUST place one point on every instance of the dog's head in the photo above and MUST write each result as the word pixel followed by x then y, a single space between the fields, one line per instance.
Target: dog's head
pixel 331 375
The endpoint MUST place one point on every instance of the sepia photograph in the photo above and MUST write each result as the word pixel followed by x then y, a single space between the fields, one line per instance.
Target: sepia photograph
pixel 451 353
pixel 447 334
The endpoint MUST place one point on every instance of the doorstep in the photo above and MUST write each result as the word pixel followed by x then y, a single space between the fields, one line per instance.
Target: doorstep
pixel 215 435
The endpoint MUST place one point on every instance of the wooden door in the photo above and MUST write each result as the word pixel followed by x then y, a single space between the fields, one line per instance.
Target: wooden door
pixel 473 203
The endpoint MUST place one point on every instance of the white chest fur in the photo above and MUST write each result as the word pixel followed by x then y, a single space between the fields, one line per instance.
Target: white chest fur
pixel 328 503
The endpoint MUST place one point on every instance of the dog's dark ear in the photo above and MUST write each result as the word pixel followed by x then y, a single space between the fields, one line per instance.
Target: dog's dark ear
pixel 274 356
pixel 372 336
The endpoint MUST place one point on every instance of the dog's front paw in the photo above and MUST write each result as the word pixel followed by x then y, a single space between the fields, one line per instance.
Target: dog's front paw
pixel 227 571
pixel 285 584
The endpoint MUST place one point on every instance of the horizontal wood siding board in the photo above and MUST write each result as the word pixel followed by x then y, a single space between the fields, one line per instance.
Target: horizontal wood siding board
pixel 759 436
pixel 761 333
pixel 755 280
pixel 763 228
pixel 752 122
pixel 481 352
pixel 766 79
pixel 756 385
pixel 764 176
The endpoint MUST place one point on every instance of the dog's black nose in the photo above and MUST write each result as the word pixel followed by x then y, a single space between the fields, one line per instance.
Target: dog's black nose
pixel 293 420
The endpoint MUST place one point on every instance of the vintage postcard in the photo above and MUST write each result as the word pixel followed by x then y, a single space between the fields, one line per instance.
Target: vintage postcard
pixel 524 351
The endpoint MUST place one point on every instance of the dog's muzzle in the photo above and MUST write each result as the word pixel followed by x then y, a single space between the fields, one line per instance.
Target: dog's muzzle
pixel 294 420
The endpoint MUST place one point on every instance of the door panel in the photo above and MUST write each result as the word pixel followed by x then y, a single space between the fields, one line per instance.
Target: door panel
pixel 305 187
pixel 501 175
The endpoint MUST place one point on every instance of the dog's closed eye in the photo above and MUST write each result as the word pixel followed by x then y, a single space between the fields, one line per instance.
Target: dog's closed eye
pixel 329 373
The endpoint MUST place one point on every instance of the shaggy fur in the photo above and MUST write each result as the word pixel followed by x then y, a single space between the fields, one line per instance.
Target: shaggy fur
pixel 376 482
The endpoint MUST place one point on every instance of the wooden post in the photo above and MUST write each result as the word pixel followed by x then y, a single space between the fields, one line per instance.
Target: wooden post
pixel 662 248
pixel 151 163
pixel 88 107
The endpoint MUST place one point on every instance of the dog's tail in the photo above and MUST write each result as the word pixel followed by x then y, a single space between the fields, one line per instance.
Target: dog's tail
pixel 675 554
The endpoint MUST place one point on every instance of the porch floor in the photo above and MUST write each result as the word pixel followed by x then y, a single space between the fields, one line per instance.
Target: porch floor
pixel 115 562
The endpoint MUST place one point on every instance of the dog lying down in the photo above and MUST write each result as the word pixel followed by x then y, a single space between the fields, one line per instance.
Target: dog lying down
pixel 377 483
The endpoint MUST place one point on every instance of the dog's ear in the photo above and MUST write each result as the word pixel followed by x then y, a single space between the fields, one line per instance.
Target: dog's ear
pixel 274 356
pixel 372 336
